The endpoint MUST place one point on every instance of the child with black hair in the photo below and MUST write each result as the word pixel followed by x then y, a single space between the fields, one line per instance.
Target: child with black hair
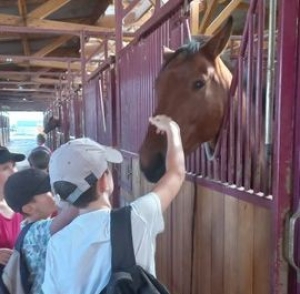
pixel 28 192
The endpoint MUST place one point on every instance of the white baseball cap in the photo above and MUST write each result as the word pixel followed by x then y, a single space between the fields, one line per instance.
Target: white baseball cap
pixel 81 162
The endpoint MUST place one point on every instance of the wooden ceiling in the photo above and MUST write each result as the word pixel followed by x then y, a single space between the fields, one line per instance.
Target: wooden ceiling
pixel 40 43
pixel 46 45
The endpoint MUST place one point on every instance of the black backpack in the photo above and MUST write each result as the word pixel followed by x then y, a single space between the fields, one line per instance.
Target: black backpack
pixel 127 277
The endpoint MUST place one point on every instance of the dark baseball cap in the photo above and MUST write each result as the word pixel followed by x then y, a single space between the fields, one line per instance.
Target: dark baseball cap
pixel 6 156
pixel 22 186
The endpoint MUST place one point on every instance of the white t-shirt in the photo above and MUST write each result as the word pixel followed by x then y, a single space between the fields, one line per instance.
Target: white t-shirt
pixel 79 256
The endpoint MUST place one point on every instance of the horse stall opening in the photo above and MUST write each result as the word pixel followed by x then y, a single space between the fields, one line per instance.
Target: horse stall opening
pixel 223 233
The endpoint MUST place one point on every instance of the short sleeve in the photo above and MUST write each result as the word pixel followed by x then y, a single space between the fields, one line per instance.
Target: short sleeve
pixel 147 209
pixel 34 248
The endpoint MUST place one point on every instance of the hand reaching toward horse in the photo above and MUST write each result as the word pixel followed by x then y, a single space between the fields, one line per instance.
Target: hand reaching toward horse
pixel 169 184
pixel 162 123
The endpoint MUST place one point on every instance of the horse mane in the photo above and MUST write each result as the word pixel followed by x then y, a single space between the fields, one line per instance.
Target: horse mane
pixel 188 49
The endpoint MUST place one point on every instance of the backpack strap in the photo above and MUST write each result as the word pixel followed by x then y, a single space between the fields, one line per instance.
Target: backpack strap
pixel 24 272
pixel 121 239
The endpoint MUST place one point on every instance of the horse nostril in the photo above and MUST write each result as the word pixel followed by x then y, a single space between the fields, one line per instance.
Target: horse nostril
pixel 156 168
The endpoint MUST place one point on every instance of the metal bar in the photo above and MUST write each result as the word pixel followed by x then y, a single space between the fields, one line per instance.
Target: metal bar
pixel 103 116
pixel 258 100
pixel 107 63
pixel 83 73
pixel 294 284
pixel 232 127
pixel 286 91
pixel 240 124
pixel 237 194
pixel 270 71
pixel 119 30
pixel 106 49
pixel 248 105
pixel 246 31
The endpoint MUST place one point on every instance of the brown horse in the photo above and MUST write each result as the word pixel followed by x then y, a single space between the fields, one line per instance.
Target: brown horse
pixel 51 123
pixel 193 89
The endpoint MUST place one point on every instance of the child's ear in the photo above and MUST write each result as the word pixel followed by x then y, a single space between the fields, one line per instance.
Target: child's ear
pixel 28 208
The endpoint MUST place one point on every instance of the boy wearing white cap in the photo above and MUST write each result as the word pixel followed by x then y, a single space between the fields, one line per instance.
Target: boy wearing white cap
pixel 79 256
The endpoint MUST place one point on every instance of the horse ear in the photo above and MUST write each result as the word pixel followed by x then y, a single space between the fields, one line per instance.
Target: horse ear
pixel 167 53
pixel 217 43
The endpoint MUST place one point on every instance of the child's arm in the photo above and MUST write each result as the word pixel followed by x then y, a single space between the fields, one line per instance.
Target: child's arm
pixel 168 186
pixel 64 217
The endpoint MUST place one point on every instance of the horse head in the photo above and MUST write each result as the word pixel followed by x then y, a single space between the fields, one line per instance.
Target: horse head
pixel 50 124
pixel 193 89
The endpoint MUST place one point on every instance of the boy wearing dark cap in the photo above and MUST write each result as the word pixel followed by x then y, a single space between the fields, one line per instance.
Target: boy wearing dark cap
pixel 9 220
pixel 29 193
pixel 79 173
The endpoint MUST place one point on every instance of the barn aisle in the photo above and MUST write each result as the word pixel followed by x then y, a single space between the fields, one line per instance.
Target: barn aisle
pixel 22 144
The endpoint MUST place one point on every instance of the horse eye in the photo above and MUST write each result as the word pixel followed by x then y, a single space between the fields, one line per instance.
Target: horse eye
pixel 198 85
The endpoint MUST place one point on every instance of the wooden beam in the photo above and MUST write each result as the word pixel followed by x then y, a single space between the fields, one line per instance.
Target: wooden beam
pixel 13 37
pixel 211 6
pixel 243 6
pixel 107 21
pixel 7 75
pixel 10 20
pixel 51 25
pixel 22 10
pixel 52 46
pixel 8 4
pixel 226 12
pixel 49 81
pixel 57 64
pixel 194 17
pixel 65 26
pixel 47 8
pixel 137 12
pixel 18 83
pixel 20 105
pixel 25 44
pixel 44 90
pixel 23 13
pixel 74 66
